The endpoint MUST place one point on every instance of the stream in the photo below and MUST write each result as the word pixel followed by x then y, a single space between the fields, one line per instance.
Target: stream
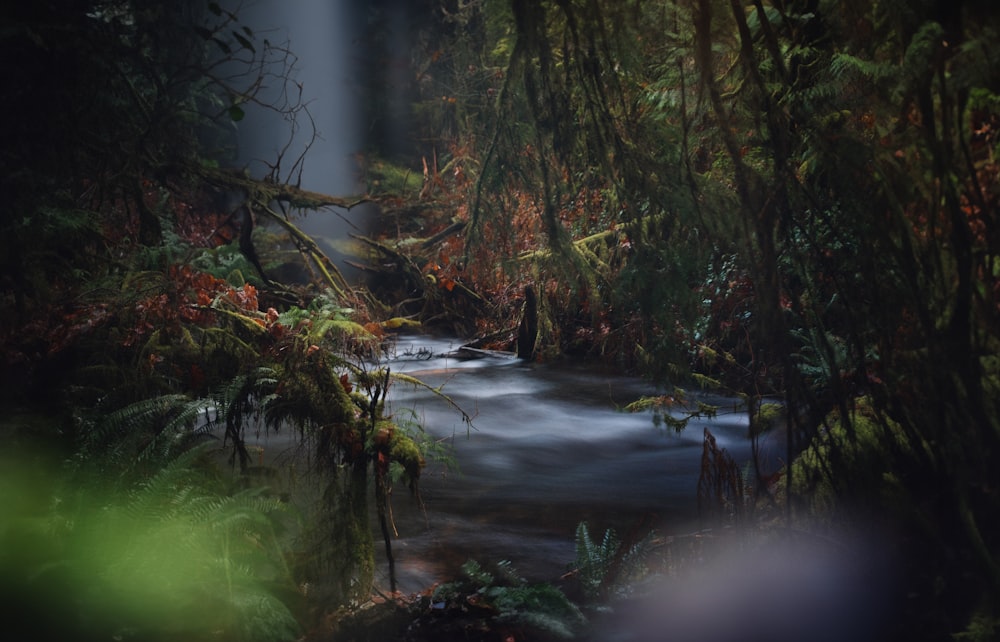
pixel 549 447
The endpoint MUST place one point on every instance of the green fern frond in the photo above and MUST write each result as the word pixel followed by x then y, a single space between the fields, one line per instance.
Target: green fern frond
pixel 258 383
pixel 844 66
pixel 476 574
pixel 294 316
pixel 340 326
pixel 542 607
pixel 143 431
pixel 592 559
pixel 554 626
pixel 262 616
pixel 226 262
pixel 919 53
pixel 248 511
pixel 168 492
pixel 177 433
pixel 143 414
pixel 604 566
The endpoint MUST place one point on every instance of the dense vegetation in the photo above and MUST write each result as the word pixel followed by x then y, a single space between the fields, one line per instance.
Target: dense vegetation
pixel 145 336
pixel 791 200
pixel 773 198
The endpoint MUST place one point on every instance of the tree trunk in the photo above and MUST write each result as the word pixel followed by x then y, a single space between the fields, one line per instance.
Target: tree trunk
pixel 527 331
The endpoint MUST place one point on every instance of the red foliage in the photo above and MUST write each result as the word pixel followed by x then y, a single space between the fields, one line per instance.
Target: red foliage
pixel 187 299
pixel 51 331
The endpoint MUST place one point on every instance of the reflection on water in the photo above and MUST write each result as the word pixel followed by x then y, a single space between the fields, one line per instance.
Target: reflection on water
pixel 549 448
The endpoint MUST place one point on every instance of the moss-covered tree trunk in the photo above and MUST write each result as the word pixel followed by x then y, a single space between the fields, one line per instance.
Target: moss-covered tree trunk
pixel 350 563
pixel 338 537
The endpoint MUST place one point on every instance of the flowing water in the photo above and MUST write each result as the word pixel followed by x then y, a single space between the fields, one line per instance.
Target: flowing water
pixel 549 447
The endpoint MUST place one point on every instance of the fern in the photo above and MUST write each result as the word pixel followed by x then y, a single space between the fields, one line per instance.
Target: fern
pixel 604 567
pixel 844 66
pixel 144 434
pixel 246 512
pixel 821 100
pixel 919 53
pixel 164 548
pixel 246 395
pixel 229 263
pixel 476 574
pixel 339 325
pixel 178 433
pixel 263 617
pixel 170 490
pixel 592 559
pixel 172 250
pixel 542 607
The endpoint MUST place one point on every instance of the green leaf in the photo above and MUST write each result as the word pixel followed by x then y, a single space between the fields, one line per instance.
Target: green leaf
pixel 236 113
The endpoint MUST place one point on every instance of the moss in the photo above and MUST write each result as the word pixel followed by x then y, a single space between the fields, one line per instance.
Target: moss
pixel 406 452
pixel 360 400
pixel 315 396
pixel 385 178
pixel 853 459
pixel 766 418
pixel 984 625
pixel 345 568
pixel 397 323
